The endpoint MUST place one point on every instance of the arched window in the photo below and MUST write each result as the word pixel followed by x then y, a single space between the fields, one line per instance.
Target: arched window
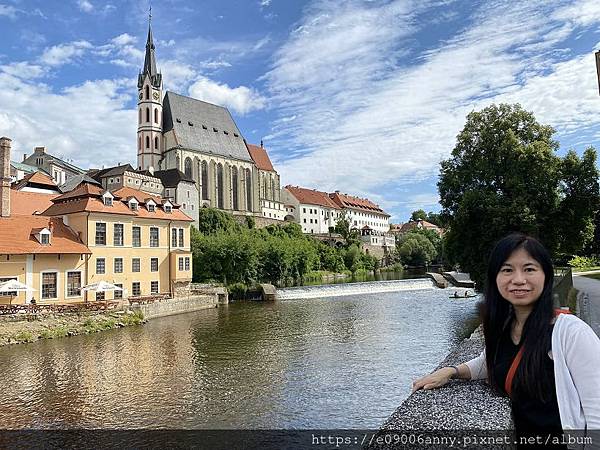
pixel 156 143
pixel 204 180
pixel 140 143
pixel 234 188
pixel 140 116
pixel 147 114
pixel 264 190
pixel 272 188
pixel 188 167
pixel 248 190
pixel 147 90
pixel 147 141
pixel 155 115
pixel 220 193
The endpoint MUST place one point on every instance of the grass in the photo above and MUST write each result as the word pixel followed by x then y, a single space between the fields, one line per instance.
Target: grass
pixel 23 336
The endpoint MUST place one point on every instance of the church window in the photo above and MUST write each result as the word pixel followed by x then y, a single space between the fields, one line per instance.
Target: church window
pixel 139 143
pixel 156 143
pixel 220 187
pixel 188 167
pixel 234 188
pixel 155 115
pixel 147 142
pixel 248 190
pixel 147 93
pixel 147 114
pixel 204 180
pixel 140 116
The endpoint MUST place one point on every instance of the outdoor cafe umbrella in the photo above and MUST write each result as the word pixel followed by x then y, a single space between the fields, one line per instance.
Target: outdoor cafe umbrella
pixel 14 286
pixel 101 286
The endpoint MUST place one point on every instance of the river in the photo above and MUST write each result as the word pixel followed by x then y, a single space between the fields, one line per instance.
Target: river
pixel 316 358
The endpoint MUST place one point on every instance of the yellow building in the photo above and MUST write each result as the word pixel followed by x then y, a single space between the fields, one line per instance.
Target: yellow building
pixel 127 237
pixel 138 241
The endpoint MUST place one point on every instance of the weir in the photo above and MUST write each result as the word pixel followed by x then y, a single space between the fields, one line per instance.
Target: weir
pixel 339 290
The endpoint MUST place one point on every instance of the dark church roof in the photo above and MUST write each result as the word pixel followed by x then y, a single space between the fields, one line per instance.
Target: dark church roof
pixel 203 127
pixel 172 177
pixel 150 64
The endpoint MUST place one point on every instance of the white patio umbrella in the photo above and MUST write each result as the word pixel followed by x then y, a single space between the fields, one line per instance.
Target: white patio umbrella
pixel 101 286
pixel 14 286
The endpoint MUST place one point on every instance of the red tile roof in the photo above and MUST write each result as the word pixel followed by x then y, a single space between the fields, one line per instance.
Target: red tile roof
pixel 405 227
pixel 28 203
pixel 17 236
pixel 260 157
pixel 141 196
pixel 36 178
pixel 349 201
pixel 82 191
pixel 312 197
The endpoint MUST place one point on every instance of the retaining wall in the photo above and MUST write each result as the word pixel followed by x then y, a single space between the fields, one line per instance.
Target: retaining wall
pixel 176 306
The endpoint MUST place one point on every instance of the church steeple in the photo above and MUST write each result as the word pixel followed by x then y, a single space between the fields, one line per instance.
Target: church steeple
pixel 149 134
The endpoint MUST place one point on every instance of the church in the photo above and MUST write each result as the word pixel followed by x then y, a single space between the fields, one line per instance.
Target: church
pixel 202 141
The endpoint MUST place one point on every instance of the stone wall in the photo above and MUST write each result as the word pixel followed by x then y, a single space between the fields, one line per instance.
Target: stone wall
pixel 176 306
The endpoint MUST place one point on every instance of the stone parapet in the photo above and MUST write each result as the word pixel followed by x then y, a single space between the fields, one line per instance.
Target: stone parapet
pixel 174 306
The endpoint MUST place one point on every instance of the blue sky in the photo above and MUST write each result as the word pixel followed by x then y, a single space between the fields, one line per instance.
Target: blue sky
pixel 361 96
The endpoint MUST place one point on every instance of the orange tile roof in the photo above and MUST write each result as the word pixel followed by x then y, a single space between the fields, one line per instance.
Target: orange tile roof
pixel 17 236
pixel 91 202
pixel 83 190
pixel 126 192
pixel 349 201
pixel 312 197
pixel 36 178
pixel 260 157
pixel 28 203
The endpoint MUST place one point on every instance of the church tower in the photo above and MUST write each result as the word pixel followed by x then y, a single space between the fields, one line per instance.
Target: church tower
pixel 149 134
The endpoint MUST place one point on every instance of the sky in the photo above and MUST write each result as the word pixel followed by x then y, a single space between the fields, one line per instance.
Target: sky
pixel 362 96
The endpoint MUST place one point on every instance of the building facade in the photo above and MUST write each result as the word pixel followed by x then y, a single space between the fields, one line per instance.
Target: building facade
pixel 182 190
pixel 314 210
pixel 60 171
pixel 269 184
pixel 362 212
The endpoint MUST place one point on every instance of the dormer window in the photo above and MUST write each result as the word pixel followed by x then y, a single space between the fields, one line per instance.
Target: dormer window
pixel 151 206
pixel 133 204
pixel 45 238
pixel 168 207
pixel 107 198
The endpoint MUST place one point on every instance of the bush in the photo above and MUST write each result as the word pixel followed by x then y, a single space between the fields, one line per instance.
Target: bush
pixel 583 261
pixel 237 291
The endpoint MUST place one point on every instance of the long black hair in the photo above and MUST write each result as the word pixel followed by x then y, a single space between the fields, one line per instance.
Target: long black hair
pixel 497 314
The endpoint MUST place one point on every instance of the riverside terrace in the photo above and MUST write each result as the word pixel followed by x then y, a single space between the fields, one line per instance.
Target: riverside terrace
pixel 465 407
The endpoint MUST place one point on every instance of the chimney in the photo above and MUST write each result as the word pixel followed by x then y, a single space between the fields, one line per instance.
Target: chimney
pixel 51 227
pixel 261 143
pixel 5 177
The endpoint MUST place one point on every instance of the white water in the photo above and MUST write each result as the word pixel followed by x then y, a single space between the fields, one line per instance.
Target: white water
pixel 340 290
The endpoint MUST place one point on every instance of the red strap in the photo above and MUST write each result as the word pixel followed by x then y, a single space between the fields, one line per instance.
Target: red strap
pixel 513 367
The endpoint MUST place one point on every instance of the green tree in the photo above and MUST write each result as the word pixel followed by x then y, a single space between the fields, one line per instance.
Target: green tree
pixel 504 176
pixel 344 227
pixel 419 214
pixel 415 249
pixel 212 220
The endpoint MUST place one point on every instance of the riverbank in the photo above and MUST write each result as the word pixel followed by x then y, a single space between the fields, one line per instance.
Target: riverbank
pixel 33 328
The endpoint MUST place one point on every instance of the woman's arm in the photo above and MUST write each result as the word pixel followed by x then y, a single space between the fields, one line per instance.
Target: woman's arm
pixel 441 376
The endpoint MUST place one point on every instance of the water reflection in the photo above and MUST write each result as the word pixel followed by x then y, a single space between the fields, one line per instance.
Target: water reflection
pixel 322 362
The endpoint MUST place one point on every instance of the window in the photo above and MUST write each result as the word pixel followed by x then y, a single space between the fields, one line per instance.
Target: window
pixel 173 237
pixel 147 114
pixel 154 237
pixel 187 263
pixel 187 167
pixel 100 233
pixel 135 265
pixel 45 238
pixel 204 179
pixel 156 143
pixel 167 193
pixel 151 207
pixel 118 234
pixel 135 288
pixel 147 141
pixel 73 284
pixel 153 264
pixel 168 208
pixel 118 265
pixel 100 296
pixel 136 237
pixel 118 293
pixel 154 287
pixel 304 210
pixel 181 237
pixel 133 204
pixel 49 281
pixel 181 263
pixel 304 220
pixel 220 187
pixel 140 116
pixel 155 115
pixel 147 92
pixel 100 265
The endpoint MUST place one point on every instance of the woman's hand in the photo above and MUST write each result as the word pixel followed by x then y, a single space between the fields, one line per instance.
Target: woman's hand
pixel 434 380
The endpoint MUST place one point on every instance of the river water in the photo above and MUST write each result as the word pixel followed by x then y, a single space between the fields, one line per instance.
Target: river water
pixel 316 358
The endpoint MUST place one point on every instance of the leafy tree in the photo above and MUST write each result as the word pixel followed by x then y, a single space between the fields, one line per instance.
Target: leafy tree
pixel 344 227
pixel 504 176
pixel 419 214
pixel 212 220
pixel 415 249
pixel 434 238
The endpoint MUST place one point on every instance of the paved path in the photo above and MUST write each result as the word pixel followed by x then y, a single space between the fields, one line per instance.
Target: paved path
pixel 589 300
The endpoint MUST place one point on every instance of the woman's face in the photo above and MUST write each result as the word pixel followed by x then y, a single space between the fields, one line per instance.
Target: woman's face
pixel 520 279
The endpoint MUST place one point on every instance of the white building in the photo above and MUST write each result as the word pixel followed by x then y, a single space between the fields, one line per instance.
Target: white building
pixel 362 212
pixel 314 210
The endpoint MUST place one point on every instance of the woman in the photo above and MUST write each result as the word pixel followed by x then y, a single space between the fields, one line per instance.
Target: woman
pixel 554 359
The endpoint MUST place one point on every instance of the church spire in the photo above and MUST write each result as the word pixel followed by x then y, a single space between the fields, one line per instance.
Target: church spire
pixel 150 59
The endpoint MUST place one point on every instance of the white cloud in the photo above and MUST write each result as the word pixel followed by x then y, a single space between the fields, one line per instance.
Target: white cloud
pixel 85 6
pixel 241 99
pixel 124 39
pixel 64 53
pixel 265 3
pixel 23 70
pixel 371 111
pixel 8 11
